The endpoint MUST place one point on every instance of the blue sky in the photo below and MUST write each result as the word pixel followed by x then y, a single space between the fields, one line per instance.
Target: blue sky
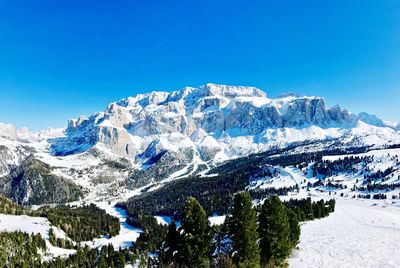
pixel 61 59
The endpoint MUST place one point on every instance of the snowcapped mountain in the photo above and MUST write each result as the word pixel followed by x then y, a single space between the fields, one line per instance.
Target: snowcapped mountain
pixel 215 122
pixel 166 135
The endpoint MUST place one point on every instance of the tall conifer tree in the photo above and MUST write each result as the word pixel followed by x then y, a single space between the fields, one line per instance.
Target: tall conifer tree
pixel 196 247
pixel 242 228
pixel 274 231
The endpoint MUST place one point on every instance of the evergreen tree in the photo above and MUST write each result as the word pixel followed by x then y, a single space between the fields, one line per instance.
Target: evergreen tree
pixel 301 216
pixel 119 260
pixel 274 231
pixel 317 211
pixel 196 235
pixel 102 260
pixel 294 236
pixel 242 228
pixel 309 210
pixel 331 205
pixel 172 242
pixel 110 253
pixel 52 237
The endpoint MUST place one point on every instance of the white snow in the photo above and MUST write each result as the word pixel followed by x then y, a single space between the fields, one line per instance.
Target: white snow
pixel 216 220
pixel 163 220
pixel 284 178
pixel 127 235
pixel 36 225
pixel 358 234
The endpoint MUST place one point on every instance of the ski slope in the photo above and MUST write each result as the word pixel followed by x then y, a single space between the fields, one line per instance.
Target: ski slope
pixel 358 234
pixel 127 234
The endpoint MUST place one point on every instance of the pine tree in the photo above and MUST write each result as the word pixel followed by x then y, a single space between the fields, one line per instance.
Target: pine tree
pixel 172 242
pixel 52 237
pixel 321 204
pixel 242 228
pixel 317 211
pixel 274 231
pixel 294 236
pixel 119 260
pixel 331 206
pixel 196 235
pixel 102 261
pixel 300 214
pixel 110 253
pixel 309 210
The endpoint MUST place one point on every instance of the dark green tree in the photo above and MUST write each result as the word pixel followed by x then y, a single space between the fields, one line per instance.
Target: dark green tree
pixel 242 228
pixel 274 230
pixel 119 260
pixel 171 244
pixel 309 210
pixel 102 260
pixel 300 214
pixel 294 236
pixel 196 240
pixel 317 211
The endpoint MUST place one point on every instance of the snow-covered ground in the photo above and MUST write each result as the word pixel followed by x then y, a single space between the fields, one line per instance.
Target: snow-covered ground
pixel 217 220
pixel 127 234
pixel 36 225
pixel 360 233
pixel 125 239
pixel 12 223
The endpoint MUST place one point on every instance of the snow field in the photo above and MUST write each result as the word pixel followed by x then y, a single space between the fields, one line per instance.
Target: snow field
pixel 36 225
pixel 358 234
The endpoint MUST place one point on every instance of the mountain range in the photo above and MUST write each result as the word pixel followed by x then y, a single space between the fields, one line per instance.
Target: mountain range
pixel 161 136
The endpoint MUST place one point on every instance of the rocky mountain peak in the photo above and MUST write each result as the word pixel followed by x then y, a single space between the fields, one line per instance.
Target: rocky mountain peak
pixel 232 91
pixel 211 121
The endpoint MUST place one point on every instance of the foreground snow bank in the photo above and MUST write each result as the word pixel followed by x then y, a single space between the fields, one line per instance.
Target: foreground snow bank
pixel 358 234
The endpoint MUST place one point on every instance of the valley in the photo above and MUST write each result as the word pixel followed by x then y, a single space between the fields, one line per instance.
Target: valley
pixel 112 188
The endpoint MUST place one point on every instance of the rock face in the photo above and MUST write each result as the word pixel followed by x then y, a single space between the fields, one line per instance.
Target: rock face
pixel 205 118
pixel 32 183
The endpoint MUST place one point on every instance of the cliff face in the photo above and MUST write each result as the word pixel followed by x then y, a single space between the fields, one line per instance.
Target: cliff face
pixel 212 113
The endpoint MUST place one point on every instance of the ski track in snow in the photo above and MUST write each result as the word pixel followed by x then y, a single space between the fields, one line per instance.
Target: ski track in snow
pixel 357 234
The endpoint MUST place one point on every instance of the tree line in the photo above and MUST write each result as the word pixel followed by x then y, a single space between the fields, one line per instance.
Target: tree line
pixel 261 236
pixel 20 249
pixel 81 223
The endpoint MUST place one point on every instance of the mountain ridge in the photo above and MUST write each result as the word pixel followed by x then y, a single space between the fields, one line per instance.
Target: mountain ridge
pixel 207 113
pixel 161 136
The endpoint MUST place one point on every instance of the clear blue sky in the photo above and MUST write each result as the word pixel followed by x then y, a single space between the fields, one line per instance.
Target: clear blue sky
pixel 60 59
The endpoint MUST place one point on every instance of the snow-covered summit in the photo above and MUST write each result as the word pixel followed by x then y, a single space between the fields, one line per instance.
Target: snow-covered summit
pixel 163 135
pixel 226 121
pixel 10 132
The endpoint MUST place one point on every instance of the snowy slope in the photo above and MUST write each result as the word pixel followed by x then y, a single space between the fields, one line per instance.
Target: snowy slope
pixel 127 235
pixel 361 232
pixel 357 234
pixel 36 225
